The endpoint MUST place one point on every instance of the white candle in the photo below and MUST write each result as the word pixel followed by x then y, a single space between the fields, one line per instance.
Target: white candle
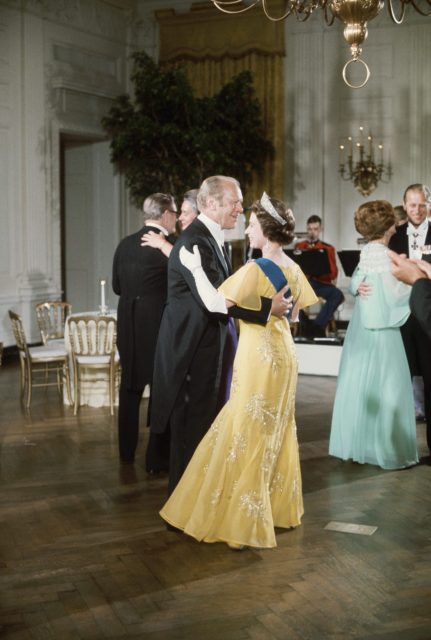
pixel 102 294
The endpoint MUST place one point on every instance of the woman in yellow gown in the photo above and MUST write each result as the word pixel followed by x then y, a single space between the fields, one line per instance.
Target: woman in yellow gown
pixel 244 478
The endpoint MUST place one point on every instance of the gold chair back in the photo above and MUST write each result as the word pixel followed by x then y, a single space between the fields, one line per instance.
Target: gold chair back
pixel 19 334
pixel 51 317
pixel 93 344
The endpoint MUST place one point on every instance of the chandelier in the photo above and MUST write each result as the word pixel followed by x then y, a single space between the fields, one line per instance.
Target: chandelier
pixel 363 168
pixel 354 13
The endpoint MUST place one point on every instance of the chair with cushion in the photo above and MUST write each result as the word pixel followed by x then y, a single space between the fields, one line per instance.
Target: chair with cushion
pixel 93 344
pixel 39 361
pixel 51 318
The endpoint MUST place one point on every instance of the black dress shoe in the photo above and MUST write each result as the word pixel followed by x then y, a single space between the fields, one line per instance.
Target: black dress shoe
pixel 156 472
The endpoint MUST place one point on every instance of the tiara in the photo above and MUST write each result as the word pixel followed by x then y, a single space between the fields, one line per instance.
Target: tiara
pixel 269 208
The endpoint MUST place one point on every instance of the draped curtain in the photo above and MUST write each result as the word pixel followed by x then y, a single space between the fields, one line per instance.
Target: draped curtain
pixel 212 48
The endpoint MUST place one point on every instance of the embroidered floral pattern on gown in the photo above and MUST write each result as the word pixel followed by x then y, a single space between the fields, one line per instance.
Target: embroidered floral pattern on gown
pixel 244 478
pixel 373 419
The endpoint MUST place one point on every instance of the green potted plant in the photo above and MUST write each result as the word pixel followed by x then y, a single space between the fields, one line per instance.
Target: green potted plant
pixel 166 139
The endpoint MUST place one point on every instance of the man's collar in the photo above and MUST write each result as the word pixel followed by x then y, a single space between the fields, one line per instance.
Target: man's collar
pixel 158 226
pixel 422 228
pixel 213 227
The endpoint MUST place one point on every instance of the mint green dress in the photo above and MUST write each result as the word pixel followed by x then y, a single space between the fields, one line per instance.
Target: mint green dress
pixel 373 420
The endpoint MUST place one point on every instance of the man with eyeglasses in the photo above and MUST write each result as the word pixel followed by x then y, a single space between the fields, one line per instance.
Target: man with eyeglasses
pixel 139 277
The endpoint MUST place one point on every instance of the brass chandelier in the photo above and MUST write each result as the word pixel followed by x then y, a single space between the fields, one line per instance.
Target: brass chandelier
pixel 364 165
pixel 354 13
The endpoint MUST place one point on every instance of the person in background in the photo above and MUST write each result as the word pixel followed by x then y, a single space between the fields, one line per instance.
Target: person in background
pixel 409 240
pixel 245 478
pixel 373 418
pixel 187 382
pixel 418 274
pixel 400 215
pixel 189 211
pixel 322 285
pixel 139 277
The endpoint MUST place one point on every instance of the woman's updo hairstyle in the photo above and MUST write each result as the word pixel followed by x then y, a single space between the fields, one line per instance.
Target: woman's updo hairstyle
pixel 374 218
pixel 272 228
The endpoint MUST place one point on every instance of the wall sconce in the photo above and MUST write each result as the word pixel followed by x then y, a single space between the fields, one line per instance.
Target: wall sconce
pixel 362 166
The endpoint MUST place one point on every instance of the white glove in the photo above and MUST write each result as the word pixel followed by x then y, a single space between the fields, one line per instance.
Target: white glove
pixel 190 260
pixel 211 298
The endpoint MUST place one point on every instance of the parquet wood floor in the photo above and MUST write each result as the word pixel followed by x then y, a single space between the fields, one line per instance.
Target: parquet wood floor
pixel 84 554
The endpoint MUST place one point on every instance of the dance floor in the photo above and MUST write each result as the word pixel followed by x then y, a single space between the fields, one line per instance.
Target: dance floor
pixel 84 554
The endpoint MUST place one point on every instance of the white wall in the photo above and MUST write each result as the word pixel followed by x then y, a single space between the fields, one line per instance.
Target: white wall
pixel 61 65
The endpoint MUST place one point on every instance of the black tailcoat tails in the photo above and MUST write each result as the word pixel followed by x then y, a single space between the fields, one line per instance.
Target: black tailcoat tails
pixel 417 341
pixel 139 277
pixel 189 351
pixel 420 303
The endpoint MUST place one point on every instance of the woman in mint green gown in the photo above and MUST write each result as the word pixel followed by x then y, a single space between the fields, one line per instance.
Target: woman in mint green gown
pixel 373 419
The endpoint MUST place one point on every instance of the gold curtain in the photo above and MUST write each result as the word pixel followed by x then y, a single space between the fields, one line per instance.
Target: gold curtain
pixel 212 48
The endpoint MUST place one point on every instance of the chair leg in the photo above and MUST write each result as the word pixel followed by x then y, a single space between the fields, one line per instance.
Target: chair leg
pixel 29 384
pixel 111 387
pixel 77 386
pixel 59 376
pixel 66 374
pixel 22 366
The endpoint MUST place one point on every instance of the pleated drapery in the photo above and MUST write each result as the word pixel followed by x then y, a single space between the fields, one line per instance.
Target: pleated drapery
pixel 212 48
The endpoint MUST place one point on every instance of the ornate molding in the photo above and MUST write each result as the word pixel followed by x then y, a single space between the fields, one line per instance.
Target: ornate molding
pixel 105 18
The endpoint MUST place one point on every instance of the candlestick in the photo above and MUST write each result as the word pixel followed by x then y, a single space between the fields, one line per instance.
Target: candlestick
pixel 102 295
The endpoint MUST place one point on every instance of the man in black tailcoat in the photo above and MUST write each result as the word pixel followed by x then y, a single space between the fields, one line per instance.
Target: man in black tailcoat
pixel 139 277
pixel 190 346
pixel 409 240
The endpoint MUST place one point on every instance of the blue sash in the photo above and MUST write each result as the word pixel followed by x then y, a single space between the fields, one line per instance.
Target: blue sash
pixel 273 273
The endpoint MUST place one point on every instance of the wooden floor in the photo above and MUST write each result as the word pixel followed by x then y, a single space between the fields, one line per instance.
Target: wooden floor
pixel 85 555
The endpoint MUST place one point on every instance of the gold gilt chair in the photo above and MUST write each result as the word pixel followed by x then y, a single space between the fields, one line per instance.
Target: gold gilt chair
pixel 93 344
pixel 51 318
pixel 39 361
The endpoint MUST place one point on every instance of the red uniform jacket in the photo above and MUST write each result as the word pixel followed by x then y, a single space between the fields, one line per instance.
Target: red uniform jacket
pixel 330 250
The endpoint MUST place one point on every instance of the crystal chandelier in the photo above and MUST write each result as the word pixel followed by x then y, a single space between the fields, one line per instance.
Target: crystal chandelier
pixel 364 170
pixel 354 13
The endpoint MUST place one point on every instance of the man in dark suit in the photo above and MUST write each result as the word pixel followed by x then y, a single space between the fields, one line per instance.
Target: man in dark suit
pixel 190 346
pixel 408 240
pixel 139 277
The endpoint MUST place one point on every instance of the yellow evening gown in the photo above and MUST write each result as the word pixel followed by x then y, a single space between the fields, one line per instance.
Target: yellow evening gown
pixel 244 478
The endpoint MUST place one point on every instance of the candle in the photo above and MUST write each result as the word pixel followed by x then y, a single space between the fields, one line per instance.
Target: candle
pixel 102 294
pixel 341 153
pixel 350 146
pixel 370 146
pixel 381 153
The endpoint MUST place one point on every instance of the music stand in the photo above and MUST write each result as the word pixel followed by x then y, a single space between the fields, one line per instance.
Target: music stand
pixel 349 259
pixel 313 262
